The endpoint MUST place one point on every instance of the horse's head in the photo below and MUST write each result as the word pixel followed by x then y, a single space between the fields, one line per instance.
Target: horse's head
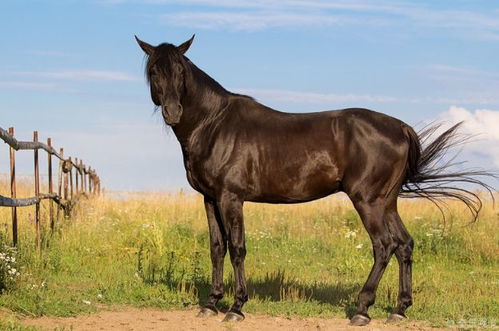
pixel 165 71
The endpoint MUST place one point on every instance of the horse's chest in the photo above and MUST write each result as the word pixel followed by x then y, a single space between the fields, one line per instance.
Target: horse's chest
pixel 198 176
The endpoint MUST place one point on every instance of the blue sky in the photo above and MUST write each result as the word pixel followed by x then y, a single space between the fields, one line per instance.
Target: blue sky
pixel 72 70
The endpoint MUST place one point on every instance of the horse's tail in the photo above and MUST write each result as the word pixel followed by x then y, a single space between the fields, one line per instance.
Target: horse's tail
pixel 430 176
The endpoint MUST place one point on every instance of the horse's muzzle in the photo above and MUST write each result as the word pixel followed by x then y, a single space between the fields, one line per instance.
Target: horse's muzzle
pixel 172 113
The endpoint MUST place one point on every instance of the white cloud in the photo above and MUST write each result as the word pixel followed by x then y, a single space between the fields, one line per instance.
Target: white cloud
pixel 278 95
pixel 299 97
pixel 79 75
pixel 269 4
pixel 483 98
pixel 260 14
pixel 482 122
pixel 482 125
pixel 448 69
pixel 27 85
pixel 449 73
pixel 248 21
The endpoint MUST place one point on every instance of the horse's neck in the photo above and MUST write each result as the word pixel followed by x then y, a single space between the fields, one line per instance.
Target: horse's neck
pixel 204 101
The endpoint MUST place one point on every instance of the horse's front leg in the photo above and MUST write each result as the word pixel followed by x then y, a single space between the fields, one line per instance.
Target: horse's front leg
pixel 231 210
pixel 218 247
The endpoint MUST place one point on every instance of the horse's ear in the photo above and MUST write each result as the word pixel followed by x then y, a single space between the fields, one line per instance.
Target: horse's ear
pixel 185 46
pixel 148 49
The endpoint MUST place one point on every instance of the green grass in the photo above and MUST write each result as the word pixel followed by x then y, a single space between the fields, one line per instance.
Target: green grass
pixel 303 260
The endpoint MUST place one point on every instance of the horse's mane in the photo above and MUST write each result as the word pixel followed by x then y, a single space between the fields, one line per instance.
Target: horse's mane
pixel 167 54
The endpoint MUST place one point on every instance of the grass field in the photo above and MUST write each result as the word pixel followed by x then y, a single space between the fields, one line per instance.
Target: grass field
pixel 306 260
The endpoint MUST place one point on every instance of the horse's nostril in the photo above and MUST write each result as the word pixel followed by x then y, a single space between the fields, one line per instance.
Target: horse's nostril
pixel 172 110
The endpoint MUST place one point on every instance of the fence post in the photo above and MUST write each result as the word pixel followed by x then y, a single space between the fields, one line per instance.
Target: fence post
pixel 37 194
pixel 98 185
pixel 71 178
pixel 65 185
pixel 90 178
pixel 51 186
pixel 59 180
pixel 13 192
pixel 76 176
pixel 84 177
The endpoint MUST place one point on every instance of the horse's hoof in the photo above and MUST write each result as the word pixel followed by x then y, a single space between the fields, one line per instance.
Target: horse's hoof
pixel 207 312
pixel 395 318
pixel 232 316
pixel 360 320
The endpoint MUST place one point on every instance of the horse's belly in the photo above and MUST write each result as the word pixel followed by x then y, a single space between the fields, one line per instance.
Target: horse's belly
pixel 300 184
pixel 296 195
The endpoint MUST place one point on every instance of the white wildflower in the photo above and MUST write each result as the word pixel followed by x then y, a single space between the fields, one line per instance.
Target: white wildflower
pixel 350 234
pixel 86 302
pixel 359 246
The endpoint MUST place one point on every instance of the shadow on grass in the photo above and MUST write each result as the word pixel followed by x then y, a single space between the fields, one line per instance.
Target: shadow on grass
pixel 276 286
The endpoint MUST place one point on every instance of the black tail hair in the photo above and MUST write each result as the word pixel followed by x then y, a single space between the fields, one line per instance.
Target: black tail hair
pixel 430 176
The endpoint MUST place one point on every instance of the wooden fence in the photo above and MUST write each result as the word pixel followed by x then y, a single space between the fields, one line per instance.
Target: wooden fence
pixel 74 180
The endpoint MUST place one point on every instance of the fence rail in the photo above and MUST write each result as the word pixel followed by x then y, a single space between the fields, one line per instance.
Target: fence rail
pixel 86 181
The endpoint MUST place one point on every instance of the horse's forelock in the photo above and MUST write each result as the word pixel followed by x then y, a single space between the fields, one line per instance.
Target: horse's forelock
pixel 166 54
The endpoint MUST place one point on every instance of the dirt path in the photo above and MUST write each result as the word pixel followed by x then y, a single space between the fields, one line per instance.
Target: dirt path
pixel 153 319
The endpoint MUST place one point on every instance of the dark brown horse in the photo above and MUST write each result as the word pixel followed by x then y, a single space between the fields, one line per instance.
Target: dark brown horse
pixel 236 149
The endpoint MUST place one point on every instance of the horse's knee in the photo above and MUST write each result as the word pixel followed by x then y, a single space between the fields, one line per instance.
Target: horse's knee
pixel 218 250
pixel 237 253
pixel 384 248
pixel 404 250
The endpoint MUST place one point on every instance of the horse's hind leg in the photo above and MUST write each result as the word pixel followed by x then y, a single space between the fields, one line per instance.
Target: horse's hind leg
pixel 373 216
pixel 403 253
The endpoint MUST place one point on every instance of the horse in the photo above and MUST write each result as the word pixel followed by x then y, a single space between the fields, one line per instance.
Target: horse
pixel 236 149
